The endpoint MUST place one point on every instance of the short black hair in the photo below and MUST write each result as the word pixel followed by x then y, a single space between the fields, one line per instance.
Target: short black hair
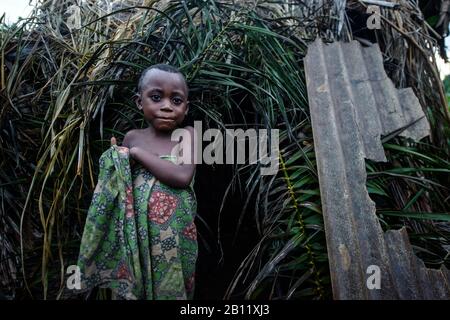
pixel 162 67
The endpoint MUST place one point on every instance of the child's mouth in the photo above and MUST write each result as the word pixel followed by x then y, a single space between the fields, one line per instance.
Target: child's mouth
pixel 166 119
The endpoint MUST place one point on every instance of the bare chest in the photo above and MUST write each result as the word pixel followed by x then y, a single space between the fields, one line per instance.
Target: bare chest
pixel 158 146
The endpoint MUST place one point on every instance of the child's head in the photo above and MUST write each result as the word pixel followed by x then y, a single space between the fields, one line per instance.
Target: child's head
pixel 163 96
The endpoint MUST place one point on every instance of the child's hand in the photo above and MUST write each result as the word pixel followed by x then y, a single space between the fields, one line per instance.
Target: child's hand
pixel 123 149
pixel 133 151
pixel 132 154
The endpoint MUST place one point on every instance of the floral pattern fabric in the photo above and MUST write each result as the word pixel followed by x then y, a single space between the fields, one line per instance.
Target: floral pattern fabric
pixel 139 239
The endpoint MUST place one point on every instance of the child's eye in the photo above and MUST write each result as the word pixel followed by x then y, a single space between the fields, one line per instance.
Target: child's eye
pixel 177 101
pixel 155 97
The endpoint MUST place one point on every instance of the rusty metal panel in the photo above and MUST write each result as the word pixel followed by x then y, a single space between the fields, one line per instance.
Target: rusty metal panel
pixel 352 103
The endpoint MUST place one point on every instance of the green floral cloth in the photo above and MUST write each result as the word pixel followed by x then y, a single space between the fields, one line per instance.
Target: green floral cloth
pixel 139 239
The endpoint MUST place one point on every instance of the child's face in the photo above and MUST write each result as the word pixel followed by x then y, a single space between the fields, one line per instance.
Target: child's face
pixel 163 99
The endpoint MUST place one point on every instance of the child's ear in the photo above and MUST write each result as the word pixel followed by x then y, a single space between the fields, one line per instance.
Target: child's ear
pixel 138 101
pixel 187 108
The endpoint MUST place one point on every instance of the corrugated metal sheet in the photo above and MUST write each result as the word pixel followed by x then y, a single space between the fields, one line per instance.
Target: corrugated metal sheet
pixel 353 102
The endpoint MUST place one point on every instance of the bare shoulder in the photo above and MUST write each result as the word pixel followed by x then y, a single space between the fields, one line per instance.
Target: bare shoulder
pixel 130 137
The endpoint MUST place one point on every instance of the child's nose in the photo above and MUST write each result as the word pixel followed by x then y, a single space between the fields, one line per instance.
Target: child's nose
pixel 167 107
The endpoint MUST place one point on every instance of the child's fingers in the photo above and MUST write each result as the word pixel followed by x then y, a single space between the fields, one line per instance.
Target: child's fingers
pixel 113 141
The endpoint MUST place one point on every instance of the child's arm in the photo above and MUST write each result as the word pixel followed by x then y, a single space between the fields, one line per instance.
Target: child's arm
pixel 174 175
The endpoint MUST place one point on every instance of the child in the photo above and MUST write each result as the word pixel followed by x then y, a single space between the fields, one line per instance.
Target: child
pixel 147 249
pixel 163 99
